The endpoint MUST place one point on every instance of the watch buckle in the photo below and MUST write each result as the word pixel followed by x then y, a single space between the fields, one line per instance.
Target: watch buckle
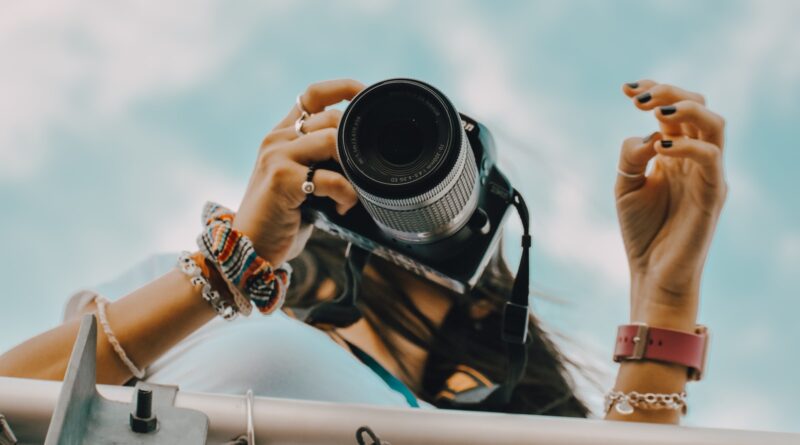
pixel 697 374
pixel 639 342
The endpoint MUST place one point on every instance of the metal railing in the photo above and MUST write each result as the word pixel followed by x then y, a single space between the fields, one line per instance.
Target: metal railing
pixel 28 406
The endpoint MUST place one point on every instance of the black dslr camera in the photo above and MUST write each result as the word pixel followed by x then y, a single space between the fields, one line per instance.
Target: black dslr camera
pixel 432 199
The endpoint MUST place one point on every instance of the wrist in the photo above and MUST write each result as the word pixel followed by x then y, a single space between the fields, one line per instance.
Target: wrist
pixel 663 307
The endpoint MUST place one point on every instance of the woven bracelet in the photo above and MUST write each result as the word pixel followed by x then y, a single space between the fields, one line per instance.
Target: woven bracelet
pixel 239 264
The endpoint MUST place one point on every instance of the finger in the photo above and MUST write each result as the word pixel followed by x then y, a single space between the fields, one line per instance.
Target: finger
pixel 320 95
pixel 709 125
pixel 663 94
pixel 705 154
pixel 279 135
pixel 631 89
pixel 288 178
pixel 314 147
pixel 635 154
pixel 326 119
pixel 327 183
pixel 318 121
pixel 337 187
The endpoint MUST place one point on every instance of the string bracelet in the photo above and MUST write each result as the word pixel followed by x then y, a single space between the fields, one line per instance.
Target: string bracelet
pixel 101 302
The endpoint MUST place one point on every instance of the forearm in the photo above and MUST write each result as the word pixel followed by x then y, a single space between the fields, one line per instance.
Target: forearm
pixel 652 376
pixel 147 323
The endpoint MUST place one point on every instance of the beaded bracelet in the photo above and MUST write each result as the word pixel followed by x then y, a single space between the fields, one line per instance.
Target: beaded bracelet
pixel 235 257
pixel 189 267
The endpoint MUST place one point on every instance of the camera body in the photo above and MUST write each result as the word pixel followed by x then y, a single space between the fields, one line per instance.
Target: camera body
pixel 456 256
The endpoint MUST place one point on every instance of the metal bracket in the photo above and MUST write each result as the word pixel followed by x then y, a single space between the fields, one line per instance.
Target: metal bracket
pixel 82 416
pixel 6 435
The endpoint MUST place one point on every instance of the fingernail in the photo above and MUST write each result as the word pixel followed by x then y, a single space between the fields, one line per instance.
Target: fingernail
pixel 647 138
pixel 669 109
pixel 666 143
pixel 644 97
pixel 633 85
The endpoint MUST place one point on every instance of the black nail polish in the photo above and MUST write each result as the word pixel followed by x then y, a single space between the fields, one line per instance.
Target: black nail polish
pixel 633 85
pixel 644 98
pixel 666 143
pixel 669 109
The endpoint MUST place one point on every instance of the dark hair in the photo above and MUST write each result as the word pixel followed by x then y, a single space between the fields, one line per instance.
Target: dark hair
pixel 545 388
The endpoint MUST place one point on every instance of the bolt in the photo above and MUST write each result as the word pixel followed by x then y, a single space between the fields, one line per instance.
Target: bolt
pixel 142 419
pixel 144 403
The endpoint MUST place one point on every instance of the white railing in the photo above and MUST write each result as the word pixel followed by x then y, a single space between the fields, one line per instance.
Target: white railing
pixel 28 405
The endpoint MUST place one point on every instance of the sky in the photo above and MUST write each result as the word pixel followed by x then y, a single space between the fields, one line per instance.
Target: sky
pixel 118 121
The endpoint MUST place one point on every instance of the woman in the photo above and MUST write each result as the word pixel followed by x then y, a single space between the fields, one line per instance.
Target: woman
pixel 416 342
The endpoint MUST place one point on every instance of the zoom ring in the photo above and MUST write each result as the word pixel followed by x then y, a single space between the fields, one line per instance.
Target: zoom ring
pixel 440 211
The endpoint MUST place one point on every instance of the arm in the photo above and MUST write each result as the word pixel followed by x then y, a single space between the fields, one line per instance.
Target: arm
pixel 148 322
pixel 156 317
pixel 668 219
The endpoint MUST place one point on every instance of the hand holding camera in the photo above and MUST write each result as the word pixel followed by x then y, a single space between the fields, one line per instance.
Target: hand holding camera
pixel 270 210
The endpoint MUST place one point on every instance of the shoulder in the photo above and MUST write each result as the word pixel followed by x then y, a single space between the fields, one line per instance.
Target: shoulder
pixel 275 356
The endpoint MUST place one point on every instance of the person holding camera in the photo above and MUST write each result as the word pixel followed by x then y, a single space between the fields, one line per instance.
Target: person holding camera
pixel 416 341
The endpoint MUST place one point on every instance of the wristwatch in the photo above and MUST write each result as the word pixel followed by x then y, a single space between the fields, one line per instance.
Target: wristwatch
pixel 639 341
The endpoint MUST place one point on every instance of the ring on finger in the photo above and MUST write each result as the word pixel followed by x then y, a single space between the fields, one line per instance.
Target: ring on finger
pixel 308 186
pixel 298 124
pixel 300 106
pixel 629 175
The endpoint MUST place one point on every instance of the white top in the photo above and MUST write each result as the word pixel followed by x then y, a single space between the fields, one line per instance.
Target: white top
pixel 275 355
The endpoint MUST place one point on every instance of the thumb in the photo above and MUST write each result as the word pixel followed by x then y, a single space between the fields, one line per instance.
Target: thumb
pixel 634 155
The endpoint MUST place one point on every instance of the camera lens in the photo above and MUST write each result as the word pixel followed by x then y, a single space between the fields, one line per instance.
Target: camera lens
pixel 402 145
pixel 400 142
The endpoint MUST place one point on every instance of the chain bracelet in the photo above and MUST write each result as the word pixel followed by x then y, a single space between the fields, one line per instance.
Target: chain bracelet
pixel 188 266
pixel 625 403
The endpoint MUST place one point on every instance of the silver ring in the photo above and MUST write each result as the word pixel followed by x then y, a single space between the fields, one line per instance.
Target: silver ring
pixel 298 124
pixel 308 186
pixel 300 105
pixel 630 175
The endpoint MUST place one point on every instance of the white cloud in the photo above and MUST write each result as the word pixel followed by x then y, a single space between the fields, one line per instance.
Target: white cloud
pixel 65 64
pixel 760 46
pixel 190 185
pixel 568 228
pixel 788 251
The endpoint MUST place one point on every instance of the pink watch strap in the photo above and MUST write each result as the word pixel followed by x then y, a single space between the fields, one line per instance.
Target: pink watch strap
pixel 639 341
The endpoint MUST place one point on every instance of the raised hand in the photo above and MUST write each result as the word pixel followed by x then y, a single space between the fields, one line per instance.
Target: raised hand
pixel 668 216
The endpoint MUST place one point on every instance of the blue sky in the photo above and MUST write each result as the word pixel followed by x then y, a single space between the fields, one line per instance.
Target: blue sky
pixel 118 121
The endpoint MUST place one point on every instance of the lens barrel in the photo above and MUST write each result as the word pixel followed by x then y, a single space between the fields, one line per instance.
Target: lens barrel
pixel 402 145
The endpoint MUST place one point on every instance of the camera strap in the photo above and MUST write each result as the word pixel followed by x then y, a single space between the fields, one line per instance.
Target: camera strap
pixel 342 311
pixel 516 312
pixel 514 331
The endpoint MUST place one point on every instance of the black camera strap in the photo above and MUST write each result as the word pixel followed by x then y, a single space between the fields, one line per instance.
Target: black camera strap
pixel 342 311
pixel 516 312
pixel 514 333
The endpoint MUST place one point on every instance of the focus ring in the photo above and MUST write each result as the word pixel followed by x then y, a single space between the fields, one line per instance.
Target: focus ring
pixel 436 213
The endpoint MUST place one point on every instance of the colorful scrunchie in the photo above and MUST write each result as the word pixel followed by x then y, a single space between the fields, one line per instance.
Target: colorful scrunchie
pixel 235 257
